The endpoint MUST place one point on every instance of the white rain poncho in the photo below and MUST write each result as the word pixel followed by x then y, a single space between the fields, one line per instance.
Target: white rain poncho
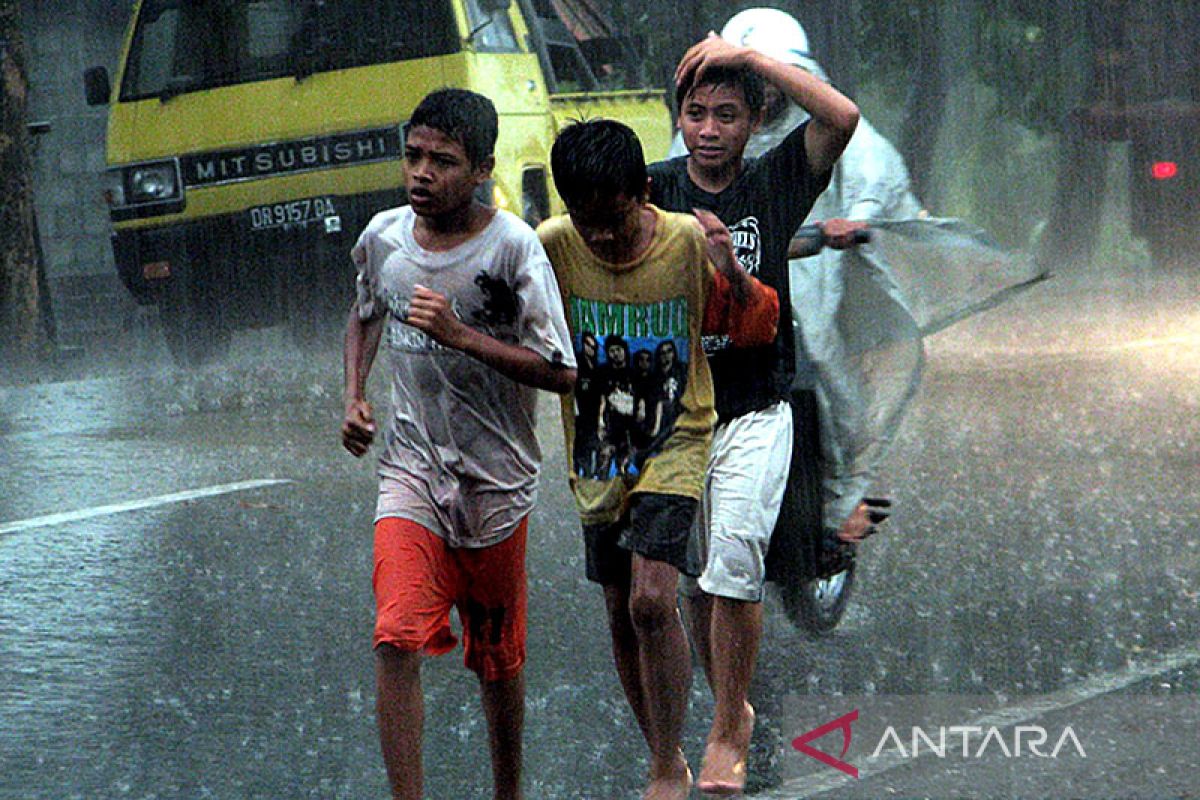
pixel 862 315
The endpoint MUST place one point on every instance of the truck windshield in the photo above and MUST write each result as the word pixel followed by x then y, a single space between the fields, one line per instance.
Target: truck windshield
pixel 183 46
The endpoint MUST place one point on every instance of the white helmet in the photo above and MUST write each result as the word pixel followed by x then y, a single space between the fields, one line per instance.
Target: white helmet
pixel 774 33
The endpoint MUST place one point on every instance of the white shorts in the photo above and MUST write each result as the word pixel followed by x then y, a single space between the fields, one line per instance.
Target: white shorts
pixel 743 489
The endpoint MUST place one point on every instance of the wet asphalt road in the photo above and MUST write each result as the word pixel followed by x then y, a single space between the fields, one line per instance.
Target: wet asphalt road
pixel 1045 545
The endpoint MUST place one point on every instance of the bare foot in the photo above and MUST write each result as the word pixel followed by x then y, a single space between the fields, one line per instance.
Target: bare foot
pixel 724 770
pixel 854 529
pixel 674 784
pixel 870 512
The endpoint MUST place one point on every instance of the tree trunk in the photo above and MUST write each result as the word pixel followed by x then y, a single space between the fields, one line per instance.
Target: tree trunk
pixel 948 35
pixel 1073 227
pixel 925 108
pixel 24 338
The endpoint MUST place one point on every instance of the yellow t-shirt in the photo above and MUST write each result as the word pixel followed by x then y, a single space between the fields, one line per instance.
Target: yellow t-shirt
pixel 641 416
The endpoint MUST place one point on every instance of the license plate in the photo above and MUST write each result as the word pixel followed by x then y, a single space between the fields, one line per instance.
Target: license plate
pixel 296 213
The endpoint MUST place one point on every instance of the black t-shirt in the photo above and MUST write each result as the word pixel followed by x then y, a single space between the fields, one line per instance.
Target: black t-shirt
pixel 762 207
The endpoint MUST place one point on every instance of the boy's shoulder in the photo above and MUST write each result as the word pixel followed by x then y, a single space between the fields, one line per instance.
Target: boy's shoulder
pixel 383 234
pixel 787 149
pixel 672 187
pixel 559 229
pixel 556 231
pixel 672 168
pixel 509 226
pixel 504 227
pixel 389 220
pixel 555 224
pixel 511 240
pixel 677 223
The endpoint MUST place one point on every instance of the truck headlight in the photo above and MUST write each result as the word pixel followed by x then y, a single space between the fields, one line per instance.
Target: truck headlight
pixel 143 190
pixel 153 182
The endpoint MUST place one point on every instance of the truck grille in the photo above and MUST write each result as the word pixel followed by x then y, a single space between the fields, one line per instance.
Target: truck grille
pixel 286 158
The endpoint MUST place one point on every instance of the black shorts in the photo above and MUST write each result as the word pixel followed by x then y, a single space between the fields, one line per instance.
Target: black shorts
pixel 656 526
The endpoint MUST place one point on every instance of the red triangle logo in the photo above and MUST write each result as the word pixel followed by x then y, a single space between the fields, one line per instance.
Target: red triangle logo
pixel 843 722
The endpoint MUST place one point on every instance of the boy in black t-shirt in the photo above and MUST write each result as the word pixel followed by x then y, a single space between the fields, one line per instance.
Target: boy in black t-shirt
pixel 719 87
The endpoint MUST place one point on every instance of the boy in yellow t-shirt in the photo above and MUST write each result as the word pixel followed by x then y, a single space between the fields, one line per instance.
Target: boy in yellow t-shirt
pixel 639 289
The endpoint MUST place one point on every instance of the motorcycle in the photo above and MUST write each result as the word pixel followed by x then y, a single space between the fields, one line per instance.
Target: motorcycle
pixel 814 574
pixel 867 315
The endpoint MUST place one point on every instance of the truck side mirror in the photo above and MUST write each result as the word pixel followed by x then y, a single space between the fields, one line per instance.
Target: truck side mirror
pixel 96 86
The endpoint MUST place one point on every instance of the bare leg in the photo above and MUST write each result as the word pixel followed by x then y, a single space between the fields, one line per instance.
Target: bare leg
pixel 698 610
pixel 400 710
pixel 626 654
pixel 666 672
pixel 736 631
pixel 504 707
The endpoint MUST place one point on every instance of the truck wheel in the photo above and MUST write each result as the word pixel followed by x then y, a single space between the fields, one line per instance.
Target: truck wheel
pixel 813 597
pixel 535 196
pixel 531 211
pixel 192 324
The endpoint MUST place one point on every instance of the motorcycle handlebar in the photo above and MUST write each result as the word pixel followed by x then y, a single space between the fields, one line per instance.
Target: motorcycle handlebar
pixel 816 235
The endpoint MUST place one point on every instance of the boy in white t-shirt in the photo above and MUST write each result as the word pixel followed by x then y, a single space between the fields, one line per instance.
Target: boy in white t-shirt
pixel 464 299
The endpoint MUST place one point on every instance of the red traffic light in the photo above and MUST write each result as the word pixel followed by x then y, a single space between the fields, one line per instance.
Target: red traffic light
pixel 1164 170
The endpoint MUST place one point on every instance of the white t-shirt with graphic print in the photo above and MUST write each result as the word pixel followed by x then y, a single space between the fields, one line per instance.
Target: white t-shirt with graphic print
pixel 460 454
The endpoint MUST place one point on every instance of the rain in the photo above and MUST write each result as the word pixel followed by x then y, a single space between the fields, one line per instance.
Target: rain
pixel 186 607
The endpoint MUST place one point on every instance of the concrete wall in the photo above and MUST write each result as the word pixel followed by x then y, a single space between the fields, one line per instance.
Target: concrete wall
pixel 65 37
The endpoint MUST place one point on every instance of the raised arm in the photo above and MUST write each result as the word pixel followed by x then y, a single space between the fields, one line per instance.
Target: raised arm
pixel 834 116
pixel 431 313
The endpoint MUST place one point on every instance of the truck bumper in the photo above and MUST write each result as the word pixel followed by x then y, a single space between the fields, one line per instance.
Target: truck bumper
pixel 248 268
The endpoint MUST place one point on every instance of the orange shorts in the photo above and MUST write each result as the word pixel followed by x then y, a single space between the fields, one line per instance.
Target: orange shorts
pixel 418 578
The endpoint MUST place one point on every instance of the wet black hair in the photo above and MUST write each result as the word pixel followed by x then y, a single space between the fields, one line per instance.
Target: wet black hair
pixel 743 79
pixel 467 117
pixel 597 159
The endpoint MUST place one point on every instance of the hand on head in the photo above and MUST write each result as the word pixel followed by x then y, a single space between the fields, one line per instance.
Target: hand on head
pixel 712 51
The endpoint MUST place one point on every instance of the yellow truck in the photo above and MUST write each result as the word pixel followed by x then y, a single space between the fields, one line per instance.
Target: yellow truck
pixel 250 140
